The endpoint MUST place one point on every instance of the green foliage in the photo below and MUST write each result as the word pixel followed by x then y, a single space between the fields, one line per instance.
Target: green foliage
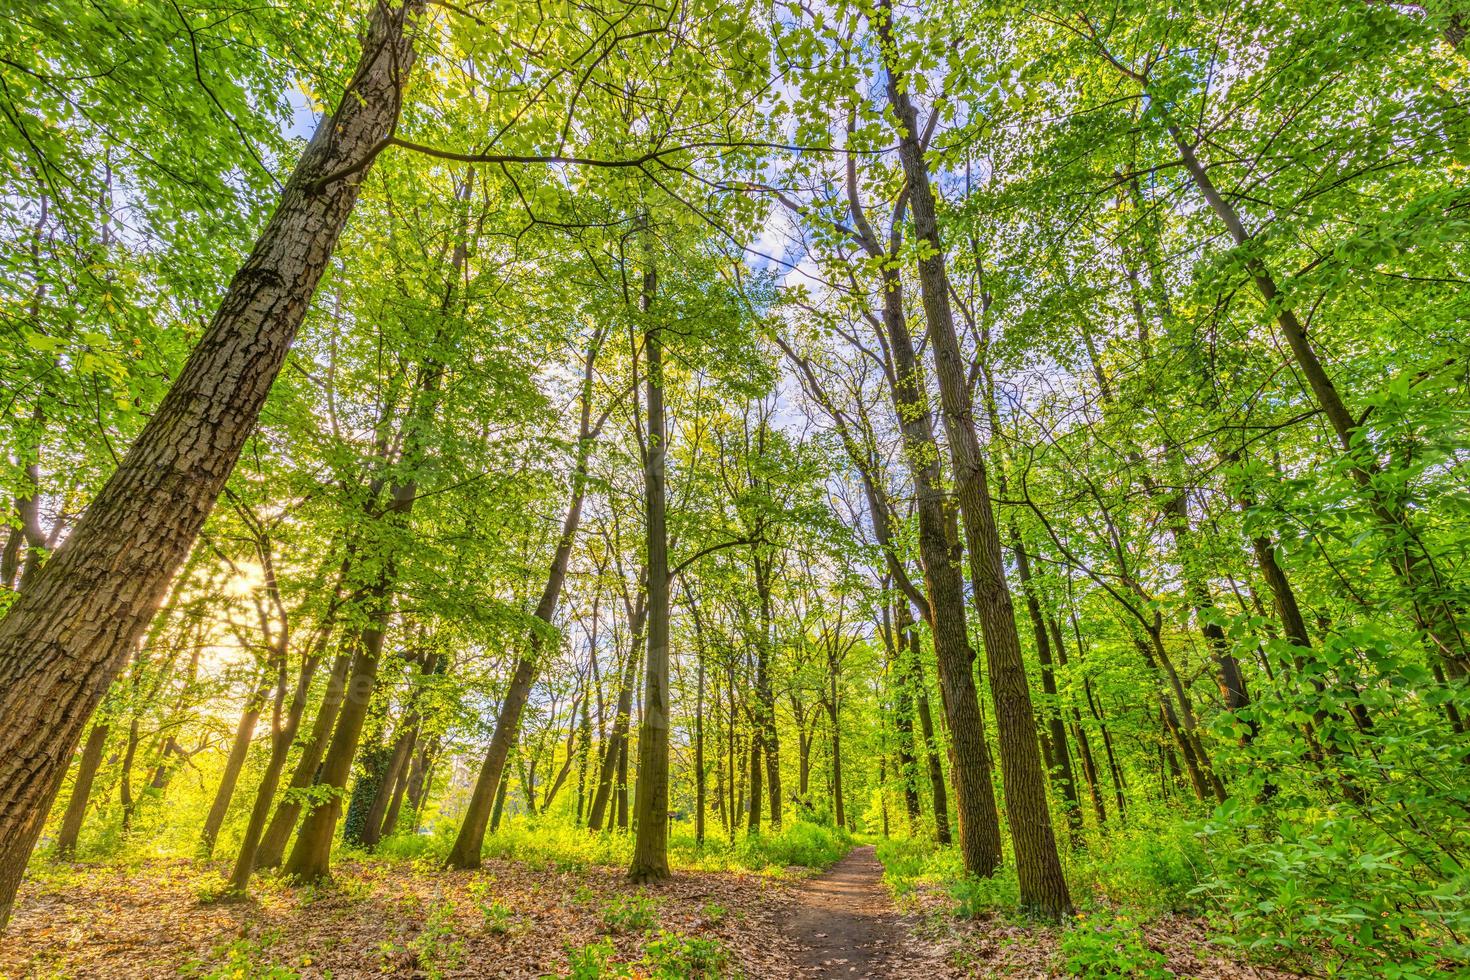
pixel 435 949
pixel 242 959
pixel 909 860
pixel 978 898
pixel 673 956
pixel 1155 865
pixel 495 916
pixel 595 961
pixel 799 843
pixel 1110 946
pixel 1331 893
pixel 629 913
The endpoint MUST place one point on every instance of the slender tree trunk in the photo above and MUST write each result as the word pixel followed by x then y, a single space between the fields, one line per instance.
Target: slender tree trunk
pixel 914 672
pixel 1079 734
pixel 67 635
pixel 700 798
pixel 838 813
pixel 770 739
pixel 416 790
pixel 650 847
pixel 1065 779
pixel 466 850
pixel 372 831
pixel 1428 606
pixel 272 846
pixel 125 781
pixel 608 773
pixel 622 789
pixel 753 816
pixel 244 735
pixel 310 858
pixel 501 791
pixel 81 790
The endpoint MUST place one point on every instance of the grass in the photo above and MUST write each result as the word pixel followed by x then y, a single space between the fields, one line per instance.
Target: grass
pixel 552 844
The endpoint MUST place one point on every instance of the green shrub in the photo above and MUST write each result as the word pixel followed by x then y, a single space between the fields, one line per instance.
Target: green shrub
pixel 1110 945
pixel 595 962
pixel 629 913
pixel 978 898
pixel 1333 894
pixel 435 948
pixel 1156 865
pixel 495 916
pixel 907 861
pixel 675 956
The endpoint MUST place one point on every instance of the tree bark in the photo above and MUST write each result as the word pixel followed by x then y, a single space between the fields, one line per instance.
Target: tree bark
pixel 273 843
pixel 650 846
pixel 67 635
pixel 608 773
pixel 1038 866
pixel 244 735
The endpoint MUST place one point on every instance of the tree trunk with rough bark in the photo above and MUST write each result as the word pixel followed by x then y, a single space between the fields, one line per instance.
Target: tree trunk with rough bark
pixel 272 846
pixel 1038 866
pixel 66 637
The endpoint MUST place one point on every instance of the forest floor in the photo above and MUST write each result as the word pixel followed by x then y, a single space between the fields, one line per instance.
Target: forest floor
pixel 412 920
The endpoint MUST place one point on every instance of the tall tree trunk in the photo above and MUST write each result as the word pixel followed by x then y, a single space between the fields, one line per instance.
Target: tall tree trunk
pixel 310 859
pixel 1428 605
pixel 939 553
pixel 839 815
pixel 650 847
pixel 753 814
pixel 1079 734
pixel 621 796
pixel 1038 866
pixel 700 777
pixel 765 697
pixel 372 831
pixel 125 779
pixel 283 733
pixel 980 843
pixel 608 773
pixel 400 786
pixel 67 635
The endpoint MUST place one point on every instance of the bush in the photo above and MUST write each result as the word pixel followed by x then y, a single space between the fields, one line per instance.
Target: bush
pixel 629 913
pixel 978 898
pixel 804 844
pixel 675 956
pixel 242 959
pixel 907 861
pixel 1333 892
pixel 1155 865
pixel 595 962
pixel 1107 945
pixel 435 948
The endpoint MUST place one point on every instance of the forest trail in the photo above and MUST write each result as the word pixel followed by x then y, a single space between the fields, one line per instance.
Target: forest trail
pixel 844 924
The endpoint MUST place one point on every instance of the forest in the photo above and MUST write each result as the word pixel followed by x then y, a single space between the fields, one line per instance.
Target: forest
pixel 690 488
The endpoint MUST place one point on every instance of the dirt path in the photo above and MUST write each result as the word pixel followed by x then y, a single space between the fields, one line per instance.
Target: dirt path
pixel 844 925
